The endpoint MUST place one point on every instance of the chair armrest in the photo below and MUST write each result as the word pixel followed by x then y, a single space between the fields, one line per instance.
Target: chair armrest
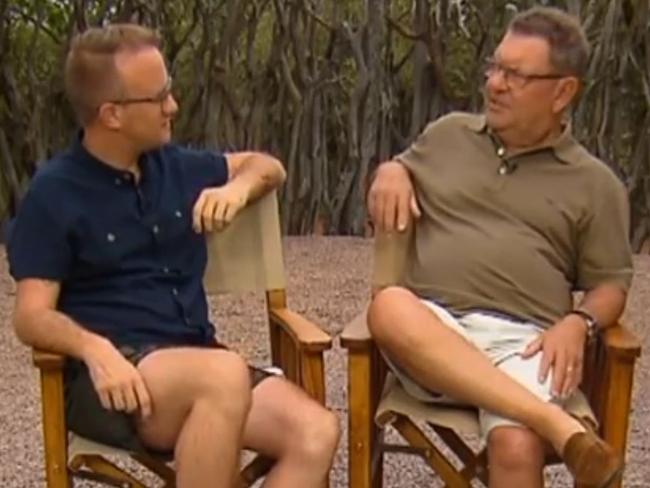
pixel 356 335
pixel 47 360
pixel 621 342
pixel 307 334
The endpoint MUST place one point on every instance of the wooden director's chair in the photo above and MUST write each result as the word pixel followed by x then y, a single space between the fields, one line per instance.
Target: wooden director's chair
pixel 376 399
pixel 247 256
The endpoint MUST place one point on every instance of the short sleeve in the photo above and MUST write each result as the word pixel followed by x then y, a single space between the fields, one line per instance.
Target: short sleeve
pixel 38 245
pixel 604 254
pixel 419 153
pixel 203 168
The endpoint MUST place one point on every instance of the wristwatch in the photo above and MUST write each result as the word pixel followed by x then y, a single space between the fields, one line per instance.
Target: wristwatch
pixel 590 320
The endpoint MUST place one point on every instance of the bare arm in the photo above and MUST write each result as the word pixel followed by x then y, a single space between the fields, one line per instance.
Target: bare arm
pixel 37 323
pixel 391 198
pixel 605 303
pixel 252 175
pixel 258 173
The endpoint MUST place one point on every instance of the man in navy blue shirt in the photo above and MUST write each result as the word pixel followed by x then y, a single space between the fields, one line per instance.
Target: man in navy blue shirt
pixel 108 253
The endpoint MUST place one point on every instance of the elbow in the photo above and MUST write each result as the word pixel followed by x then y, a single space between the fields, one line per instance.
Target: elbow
pixel 21 329
pixel 281 173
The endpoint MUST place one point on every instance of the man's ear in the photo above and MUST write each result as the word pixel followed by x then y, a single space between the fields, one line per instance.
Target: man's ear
pixel 110 115
pixel 565 93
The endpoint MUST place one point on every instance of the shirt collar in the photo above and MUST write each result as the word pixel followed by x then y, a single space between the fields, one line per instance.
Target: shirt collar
pixel 96 165
pixel 565 148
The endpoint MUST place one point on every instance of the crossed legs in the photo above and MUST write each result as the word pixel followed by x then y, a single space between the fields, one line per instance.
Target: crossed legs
pixel 204 409
pixel 441 360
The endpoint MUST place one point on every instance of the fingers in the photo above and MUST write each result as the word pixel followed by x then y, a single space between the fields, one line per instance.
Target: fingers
pixel 197 213
pixel 217 219
pixel 415 208
pixel 117 399
pixel 403 213
pixel 144 400
pixel 105 399
pixel 390 211
pixel 573 376
pixel 545 365
pixel 533 348
pixel 561 369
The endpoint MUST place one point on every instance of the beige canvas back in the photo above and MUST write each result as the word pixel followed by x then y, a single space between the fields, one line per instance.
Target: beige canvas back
pixel 390 252
pixel 247 255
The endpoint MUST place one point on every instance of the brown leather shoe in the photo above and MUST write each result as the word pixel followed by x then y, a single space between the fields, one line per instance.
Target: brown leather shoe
pixel 593 463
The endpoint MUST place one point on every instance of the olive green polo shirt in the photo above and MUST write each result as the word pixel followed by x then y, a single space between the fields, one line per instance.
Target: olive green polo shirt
pixel 512 233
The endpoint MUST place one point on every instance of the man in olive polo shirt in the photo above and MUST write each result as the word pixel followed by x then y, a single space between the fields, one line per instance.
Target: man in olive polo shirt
pixel 511 216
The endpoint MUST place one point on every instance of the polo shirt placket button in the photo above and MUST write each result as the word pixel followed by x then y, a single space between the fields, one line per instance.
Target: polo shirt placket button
pixel 175 292
pixel 155 229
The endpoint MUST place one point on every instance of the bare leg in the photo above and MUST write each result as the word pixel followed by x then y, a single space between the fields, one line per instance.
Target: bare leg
pixel 442 360
pixel 516 458
pixel 287 425
pixel 201 399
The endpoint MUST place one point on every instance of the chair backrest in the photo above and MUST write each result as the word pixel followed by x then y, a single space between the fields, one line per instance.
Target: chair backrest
pixel 247 255
pixel 390 257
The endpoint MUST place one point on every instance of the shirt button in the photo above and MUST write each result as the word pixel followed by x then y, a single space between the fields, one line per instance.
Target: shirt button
pixel 118 182
pixel 503 170
pixel 155 229
pixel 187 320
pixel 501 152
pixel 166 270
pixel 110 237
pixel 178 214
pixel 175 292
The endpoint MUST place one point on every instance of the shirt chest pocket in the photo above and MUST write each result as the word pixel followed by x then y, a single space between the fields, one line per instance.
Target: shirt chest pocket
pixel 105 245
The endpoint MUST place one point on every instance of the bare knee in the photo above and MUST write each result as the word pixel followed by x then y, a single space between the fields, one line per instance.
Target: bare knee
pixel 515 449
pixel 225 382
pixel 385 310
pixel 316 435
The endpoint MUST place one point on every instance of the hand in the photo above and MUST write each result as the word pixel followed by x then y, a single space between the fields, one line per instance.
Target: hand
pixel 216 207
pixel 391 199
pixel 117 382
pixel 562 349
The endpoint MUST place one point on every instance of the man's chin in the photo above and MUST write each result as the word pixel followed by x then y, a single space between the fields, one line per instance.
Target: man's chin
pixel 496 121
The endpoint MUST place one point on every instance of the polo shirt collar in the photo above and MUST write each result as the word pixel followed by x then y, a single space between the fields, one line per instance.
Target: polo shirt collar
pixel 565 148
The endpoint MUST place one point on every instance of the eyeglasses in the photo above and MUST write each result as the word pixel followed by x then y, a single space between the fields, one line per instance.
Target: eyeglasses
pixel 513 78
pixel 160 97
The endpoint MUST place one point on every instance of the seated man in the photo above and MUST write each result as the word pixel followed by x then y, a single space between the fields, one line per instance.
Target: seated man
pixel 108 253
pixel 512 215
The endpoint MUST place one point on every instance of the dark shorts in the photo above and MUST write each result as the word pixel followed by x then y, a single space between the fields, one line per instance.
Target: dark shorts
pixel 86 416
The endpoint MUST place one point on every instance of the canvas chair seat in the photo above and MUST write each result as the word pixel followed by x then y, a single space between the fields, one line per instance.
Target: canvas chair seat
pixel 458 417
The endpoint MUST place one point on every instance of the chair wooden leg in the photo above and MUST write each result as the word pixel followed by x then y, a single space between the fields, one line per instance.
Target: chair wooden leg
pixel 616 405
pixel 101 469
pixel 365 470
pixel 258 467
pixel 167 474
pixel 54 431
pixel 431 454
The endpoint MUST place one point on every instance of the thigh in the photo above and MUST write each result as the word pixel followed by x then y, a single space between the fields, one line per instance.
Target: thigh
pixel 175 378
pixel 280 411
pixel 526 372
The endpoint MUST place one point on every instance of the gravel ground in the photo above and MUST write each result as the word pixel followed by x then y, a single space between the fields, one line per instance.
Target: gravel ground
pixel 328 282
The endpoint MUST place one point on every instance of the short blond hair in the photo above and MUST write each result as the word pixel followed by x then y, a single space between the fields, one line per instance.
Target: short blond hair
pixel 91 76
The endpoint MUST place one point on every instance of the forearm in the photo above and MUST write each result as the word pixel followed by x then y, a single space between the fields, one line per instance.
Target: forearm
pixel 258 173
pixel 53 331
pixel 605 303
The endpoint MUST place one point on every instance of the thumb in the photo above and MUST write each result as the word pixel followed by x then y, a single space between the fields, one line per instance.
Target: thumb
pixel 532 348
pixel 415 209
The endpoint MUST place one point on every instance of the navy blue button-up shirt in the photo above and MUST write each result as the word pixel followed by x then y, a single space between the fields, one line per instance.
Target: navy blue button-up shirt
pixel 129 263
